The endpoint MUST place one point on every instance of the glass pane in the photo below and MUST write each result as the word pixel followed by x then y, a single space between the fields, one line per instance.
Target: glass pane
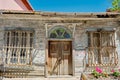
pixel 60 33
pixel 14 60
pixel 66 35
pixel 53 35
pixel 22 53
pixel 22 60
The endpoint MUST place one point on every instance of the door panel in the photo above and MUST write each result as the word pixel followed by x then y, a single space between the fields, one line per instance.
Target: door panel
pixel 60 58
pixel 66 48
pixel 54 48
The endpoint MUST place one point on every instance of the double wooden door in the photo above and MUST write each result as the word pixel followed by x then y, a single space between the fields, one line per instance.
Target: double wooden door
pixel 60 58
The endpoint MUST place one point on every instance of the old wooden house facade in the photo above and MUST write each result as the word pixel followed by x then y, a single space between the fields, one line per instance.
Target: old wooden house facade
pixel 57 44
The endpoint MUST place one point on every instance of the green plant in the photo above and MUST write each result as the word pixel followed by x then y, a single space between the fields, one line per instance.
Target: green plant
pixel 116 74
pixel 96 74
pixel 115 5
pixel 99 73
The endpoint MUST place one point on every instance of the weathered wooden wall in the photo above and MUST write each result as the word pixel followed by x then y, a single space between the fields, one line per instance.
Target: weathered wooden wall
pixel 37 21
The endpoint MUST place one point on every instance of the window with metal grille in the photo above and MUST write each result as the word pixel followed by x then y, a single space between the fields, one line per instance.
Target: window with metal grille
pixel 101 48
pixel 18 45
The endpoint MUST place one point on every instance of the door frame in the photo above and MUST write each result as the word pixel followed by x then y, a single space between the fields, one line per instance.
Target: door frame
pixel 47 52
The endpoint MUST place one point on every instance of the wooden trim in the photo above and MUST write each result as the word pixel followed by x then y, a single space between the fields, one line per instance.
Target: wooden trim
pixel 18 47
pixel 107 43
pixel 46 59
pixel 17 65
pixel 101 31
pixel 60 39
pixel 73 60
pixel 46 55
pixel 26 3
pixel 100 45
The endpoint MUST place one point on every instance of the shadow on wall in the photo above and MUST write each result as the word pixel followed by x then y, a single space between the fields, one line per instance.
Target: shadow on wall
pixel 38 57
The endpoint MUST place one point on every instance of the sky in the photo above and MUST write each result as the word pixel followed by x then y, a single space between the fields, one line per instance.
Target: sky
pixel 70 5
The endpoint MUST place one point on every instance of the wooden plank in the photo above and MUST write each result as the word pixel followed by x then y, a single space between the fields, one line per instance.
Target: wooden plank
pixel 53 66
pixel 9 49
pixel 93 57
pixel 88 56
pixel 19 49
pixel 61 58
pixel 91 39
pixel 23 52
pixel 49 62
pixel 5 48
pixel 70 62
pixel 28 52
pixel 99 50
pixel 65 65
pixel 46 57
pixel 113 39
pixel 53 58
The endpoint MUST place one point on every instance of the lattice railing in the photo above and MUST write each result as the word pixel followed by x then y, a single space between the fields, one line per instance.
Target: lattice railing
pixel 15 71
pixel 93 59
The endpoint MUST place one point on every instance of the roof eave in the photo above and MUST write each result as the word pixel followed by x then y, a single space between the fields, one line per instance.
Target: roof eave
pixel 27 4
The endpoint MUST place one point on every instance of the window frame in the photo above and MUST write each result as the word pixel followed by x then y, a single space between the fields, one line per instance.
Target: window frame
pixel 102 50
pixel 19 47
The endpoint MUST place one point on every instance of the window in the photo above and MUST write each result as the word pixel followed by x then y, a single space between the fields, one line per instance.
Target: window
pixel 60 33
pixel 18 46
pixel 101 48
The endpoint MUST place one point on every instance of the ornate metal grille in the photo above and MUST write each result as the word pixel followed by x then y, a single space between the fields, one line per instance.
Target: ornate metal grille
pixel 60 33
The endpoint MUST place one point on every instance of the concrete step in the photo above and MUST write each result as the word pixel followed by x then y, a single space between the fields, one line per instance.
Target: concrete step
pixel 42 78
pixel 37 73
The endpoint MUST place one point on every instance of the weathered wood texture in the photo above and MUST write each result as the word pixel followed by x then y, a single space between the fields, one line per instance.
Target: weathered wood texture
pixel 60 59
pixel 77 23
pixel 101 50
pixel 17 47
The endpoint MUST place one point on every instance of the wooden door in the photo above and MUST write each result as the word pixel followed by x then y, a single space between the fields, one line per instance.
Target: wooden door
pixel 60 58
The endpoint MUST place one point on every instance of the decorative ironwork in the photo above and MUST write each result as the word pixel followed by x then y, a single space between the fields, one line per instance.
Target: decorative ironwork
pixel 60 33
